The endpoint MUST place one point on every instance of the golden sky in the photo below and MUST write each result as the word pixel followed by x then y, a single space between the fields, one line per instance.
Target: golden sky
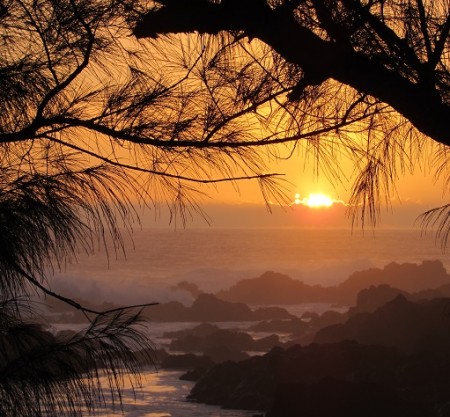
pixel 300 173
pixel 418 187
pixel 243 207
pixel 416 191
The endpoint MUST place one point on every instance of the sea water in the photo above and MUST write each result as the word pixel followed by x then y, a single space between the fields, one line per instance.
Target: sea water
pixel 162 394
pixel 156 259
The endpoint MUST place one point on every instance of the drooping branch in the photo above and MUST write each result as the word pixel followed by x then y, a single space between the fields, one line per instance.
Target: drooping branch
pixel 35 283
pixel 177 177
pixel 47 374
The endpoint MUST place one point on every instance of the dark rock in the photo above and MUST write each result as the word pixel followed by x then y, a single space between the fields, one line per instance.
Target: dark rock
pixel 411 327
pixel 233 340
pixel 267 313
pixel 265 343
pixel 186 361
pixel 309 315
pixel 227 384
pixel 232 384
pixel 208 307
pixel 370 299
pixel 194 375
pixel 336 398
pixel 275 288
pixel 171 311
pixel 328 318
pixel 294 326
pixel 189 287
pixel 406 277
pixel 335 380
pixel 202 330
pixel 272 288
pixel 224 353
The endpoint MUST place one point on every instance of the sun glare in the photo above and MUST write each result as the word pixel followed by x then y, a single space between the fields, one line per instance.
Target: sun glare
pixel 314 200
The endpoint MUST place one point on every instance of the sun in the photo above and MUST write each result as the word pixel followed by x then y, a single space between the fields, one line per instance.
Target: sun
pixel 314 200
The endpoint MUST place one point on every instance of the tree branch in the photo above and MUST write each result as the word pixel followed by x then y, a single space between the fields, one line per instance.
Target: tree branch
pixel 298 44
pixel 76 72
pixel 160 173
pixel 71 302
pixel 440 43
pixel 424 28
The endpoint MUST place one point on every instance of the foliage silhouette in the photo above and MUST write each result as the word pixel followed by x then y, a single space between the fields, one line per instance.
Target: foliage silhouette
pixel 94 122
pixel 371 76
pixel 42 219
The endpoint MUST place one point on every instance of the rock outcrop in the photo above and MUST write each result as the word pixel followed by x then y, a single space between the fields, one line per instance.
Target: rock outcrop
pixel 208 307
pixel 332 380
pixel 409 326
pixel 275 288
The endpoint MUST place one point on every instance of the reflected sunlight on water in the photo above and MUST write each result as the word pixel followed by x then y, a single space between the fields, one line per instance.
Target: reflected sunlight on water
pixel 162 394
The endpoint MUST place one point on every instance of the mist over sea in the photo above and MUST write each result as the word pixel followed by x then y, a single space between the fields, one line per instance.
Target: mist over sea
pixel 156 259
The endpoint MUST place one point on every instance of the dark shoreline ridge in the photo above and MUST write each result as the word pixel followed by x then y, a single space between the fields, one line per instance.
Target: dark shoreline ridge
pixel 379 380
pixel 390 351
pixel 426 280
pixel 273 288
pixel 392 362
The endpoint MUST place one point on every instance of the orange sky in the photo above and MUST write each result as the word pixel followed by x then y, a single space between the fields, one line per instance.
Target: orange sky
pixel 415 192
pixel 228 207
pixel 418 187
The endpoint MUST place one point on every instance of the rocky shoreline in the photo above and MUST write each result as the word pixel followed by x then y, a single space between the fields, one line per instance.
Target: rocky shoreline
pixel 388 355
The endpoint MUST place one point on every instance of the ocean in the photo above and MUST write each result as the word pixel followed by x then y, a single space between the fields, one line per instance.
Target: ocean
pixel 214 259
pixel 162 394
pixel 157 259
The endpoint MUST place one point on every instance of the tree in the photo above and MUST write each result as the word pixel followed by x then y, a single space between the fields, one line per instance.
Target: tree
pixel 94 122
pixel 73 106
pixel 90 127
pixel 380 66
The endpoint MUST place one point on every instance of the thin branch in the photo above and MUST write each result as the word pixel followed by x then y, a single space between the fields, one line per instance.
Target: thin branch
pixel 160 173
pixel 424 28
pixel 71 302
pixel 384 32
pixel 118 134
pixel 38 28
pixel 440 44
pixel 76 72
pixel 438 217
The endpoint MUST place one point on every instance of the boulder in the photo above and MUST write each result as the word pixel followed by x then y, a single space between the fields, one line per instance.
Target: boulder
pixel 370 299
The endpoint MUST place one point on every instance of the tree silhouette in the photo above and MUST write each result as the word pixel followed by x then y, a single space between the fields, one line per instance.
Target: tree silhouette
pixel 88 129
pixel 380 65
pixel 94 122
pixel 42 218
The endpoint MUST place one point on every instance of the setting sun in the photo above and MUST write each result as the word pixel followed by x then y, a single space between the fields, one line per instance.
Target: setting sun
pixel 314 200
